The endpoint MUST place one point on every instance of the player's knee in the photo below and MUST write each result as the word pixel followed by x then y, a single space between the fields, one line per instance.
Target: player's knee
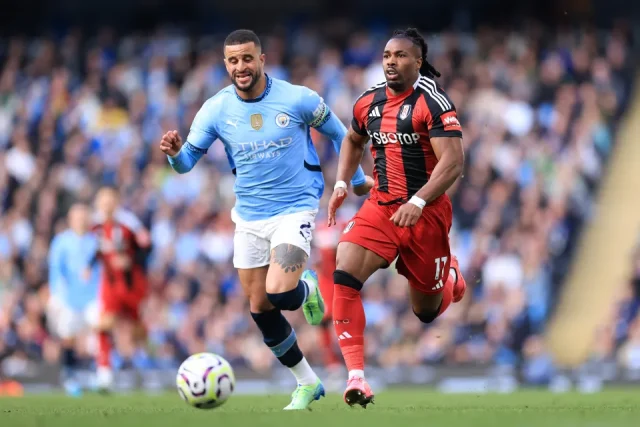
pixel 281 283
pixel 259 302
pixel 106 323
pixel 139 332
pixel 426 316
pixel 343 278
pixel 68 342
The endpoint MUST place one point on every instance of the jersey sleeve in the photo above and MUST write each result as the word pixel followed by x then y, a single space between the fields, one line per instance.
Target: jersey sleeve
pixel 312 108
pixel 203 129
pixel 359 121
pixel 441 118
pixel 56 267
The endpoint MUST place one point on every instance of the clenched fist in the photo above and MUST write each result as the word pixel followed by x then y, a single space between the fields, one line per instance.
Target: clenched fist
pixel 171 143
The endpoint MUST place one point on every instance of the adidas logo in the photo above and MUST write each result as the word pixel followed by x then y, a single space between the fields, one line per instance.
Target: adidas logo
pixel 344 336
pixel 439 285
pixel 375 112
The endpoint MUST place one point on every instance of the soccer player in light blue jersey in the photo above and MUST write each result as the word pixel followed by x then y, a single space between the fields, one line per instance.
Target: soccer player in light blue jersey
pixel 72 307
pixel 264 124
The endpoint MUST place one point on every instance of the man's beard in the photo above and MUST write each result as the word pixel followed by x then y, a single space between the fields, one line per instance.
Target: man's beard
pixel 255 78
pixel 396 85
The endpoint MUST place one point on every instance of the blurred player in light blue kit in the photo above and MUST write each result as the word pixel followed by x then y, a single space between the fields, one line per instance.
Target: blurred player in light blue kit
pixel 264 124
pixel 72 308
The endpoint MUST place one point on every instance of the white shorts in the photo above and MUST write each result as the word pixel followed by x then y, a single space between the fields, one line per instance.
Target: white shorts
pixel 253 240
pixel 66 322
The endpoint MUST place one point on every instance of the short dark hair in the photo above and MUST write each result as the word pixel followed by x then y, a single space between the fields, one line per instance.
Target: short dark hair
pixel 412 34
pixel 242 37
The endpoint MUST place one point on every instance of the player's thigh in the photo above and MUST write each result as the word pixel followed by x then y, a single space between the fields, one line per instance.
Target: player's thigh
pixel 425 257
pixel 369 242
pixel 130 306
pixel 249 250
pixel 253 282
pixel 290 250
pixel 131 312
pixel 110 305
pixel 250 243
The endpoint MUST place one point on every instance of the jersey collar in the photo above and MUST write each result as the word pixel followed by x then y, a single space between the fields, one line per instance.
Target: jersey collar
pixel 267 89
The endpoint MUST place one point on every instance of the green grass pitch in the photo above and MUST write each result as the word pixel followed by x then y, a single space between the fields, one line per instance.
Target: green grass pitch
pixel 393 408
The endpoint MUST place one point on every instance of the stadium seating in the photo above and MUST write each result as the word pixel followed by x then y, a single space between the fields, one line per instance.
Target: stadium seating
pixel 539 112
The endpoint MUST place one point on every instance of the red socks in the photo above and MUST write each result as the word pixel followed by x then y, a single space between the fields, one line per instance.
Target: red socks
pixel 349 323
pixel 104 349
pixel 447 295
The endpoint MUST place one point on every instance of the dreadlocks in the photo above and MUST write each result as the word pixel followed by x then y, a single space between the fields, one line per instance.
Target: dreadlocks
pixel 412 34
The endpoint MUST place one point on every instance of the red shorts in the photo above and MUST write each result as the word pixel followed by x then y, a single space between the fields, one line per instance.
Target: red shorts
pixel 118 299
pixel 423 250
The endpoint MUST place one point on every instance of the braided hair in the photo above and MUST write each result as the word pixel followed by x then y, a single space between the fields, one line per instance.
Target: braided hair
pixel 412 34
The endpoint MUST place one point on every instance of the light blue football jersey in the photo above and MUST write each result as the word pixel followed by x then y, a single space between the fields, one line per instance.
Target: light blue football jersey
pixel 69 256
pixel 268 143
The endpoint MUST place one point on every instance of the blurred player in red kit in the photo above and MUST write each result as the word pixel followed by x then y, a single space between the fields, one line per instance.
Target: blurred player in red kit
pixel 326 241
pixel 418 154
pixel 123 244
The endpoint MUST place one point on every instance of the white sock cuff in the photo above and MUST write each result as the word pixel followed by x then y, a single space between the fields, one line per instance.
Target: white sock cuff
pixel 356 373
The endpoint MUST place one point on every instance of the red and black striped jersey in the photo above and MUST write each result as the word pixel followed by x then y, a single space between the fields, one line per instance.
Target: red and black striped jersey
pixel 401 128
pixel 118 237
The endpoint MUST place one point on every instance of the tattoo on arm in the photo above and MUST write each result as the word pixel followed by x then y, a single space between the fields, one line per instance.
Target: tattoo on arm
pixel 291 258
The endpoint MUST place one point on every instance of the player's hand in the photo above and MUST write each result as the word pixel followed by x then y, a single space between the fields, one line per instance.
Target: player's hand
pixel 143 238
pixel 171 143
pixel 363 190
pixel 407 216
pixel 337 198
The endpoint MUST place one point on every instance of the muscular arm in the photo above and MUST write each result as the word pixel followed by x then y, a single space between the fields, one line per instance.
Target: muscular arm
pixel 450 154
pixel 335 130
pixel 351 153
pixel 201 135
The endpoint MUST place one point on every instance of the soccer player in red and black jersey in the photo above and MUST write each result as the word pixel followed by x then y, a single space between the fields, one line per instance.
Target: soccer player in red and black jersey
pixel 325 242
pixel 123 246
pixel 418 154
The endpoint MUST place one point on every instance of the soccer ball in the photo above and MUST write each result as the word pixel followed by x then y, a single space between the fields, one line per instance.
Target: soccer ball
pixel 205 380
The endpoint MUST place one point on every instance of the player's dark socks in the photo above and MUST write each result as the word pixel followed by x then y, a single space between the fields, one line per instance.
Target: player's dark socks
pixel 290 300
pixel 69 361
pixel 279 336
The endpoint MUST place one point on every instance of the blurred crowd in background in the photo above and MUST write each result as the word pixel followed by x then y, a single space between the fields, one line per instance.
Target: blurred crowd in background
pixel 539 110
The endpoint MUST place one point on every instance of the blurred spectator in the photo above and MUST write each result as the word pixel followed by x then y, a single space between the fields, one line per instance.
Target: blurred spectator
pixel 539 111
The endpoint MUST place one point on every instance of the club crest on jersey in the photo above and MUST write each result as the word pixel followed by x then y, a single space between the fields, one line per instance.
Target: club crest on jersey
pixel 404 112
pixel 256 121
pixel 348 227
pixel 282 120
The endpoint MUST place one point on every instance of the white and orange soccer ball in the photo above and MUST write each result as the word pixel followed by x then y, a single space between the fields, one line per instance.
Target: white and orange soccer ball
pixel 205 380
